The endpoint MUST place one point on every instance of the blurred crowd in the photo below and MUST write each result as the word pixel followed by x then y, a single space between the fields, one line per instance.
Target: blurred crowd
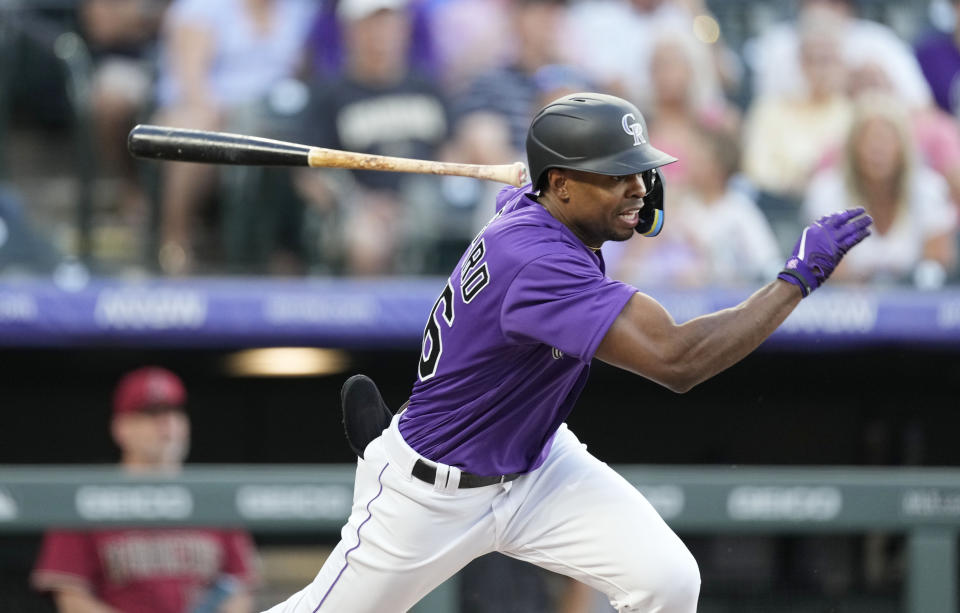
pixel 820 111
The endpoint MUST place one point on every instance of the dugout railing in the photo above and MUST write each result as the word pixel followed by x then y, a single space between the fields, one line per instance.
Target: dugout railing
pixel 922 503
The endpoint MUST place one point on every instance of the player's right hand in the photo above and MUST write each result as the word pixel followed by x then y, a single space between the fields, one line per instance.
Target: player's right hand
pixel 822 246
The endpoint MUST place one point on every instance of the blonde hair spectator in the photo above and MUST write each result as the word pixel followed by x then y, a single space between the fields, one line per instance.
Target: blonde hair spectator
pixel 935 132
pixel 914 238
pixel 861 172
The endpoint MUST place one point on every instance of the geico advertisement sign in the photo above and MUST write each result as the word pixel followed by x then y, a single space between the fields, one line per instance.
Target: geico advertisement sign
pixel 121 502
pixel 8 506
pixel 771 503
pixel 294 501
pixel 931 502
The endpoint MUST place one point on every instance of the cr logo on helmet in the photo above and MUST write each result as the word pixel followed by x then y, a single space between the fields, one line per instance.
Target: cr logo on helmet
pixel 633 128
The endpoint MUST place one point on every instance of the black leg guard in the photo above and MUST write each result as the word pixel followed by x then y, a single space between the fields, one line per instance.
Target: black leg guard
pixel 365 414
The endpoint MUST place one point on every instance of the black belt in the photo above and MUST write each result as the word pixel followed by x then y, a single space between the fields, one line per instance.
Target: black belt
pixel 425 472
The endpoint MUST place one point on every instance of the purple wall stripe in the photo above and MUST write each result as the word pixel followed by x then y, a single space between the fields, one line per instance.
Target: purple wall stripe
pixel 346 562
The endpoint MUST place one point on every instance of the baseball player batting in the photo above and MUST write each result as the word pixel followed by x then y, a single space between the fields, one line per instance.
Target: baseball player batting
pixel 479 459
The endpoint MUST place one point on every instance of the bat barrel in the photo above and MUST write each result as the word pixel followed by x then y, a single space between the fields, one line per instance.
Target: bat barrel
pixel 182 145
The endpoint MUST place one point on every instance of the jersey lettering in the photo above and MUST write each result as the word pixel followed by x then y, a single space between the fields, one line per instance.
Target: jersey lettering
pixel 432 339
pixel 473 279
pixel 474 276
pixel 477 281
pixel 476 254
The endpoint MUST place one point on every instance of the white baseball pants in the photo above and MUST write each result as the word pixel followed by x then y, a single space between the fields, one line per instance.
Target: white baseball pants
pixel 574 515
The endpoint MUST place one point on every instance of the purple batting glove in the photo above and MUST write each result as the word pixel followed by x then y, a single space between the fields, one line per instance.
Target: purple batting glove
pixel 822 246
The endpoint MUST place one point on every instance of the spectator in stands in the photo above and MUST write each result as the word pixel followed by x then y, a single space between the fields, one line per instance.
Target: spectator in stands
pixel 121 35
pixel 935 132
pixel 23 248
pixel 468 37
pixel 445 213
pixel 613 41
pixel 914 236
pixel 787 134
pixel 377 105
pixel 326 55
pixel 148 570
pixel 510 90
pixel 220 59
pixel 677 102
pixel 776 55
pixel 716 234
pixel 939 56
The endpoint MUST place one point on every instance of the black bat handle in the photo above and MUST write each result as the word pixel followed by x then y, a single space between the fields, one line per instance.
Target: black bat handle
pixel 182 145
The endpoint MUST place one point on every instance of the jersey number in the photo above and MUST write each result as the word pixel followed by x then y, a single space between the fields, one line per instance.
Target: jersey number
pixel 474 276
pixel 432 341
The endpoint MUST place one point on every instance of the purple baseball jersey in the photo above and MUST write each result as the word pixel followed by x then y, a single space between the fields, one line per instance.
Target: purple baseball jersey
pixel 508 345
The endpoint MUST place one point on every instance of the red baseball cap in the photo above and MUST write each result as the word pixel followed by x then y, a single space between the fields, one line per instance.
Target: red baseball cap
pixel 147 387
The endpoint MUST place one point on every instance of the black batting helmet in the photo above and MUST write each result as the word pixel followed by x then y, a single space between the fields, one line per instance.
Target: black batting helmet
pixel 602 134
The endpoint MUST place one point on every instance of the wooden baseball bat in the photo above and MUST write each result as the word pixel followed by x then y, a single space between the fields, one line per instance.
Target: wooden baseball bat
pixel 182 145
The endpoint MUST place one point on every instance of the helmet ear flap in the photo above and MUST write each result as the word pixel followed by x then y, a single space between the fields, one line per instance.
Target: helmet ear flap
pixel 651 215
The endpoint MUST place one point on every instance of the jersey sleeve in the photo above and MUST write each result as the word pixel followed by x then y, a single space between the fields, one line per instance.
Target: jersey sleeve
pixel 240 558
pixel 562 300
pixel 67 560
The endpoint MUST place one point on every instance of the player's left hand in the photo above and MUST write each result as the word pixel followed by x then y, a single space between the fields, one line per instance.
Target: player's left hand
pixel 821 247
